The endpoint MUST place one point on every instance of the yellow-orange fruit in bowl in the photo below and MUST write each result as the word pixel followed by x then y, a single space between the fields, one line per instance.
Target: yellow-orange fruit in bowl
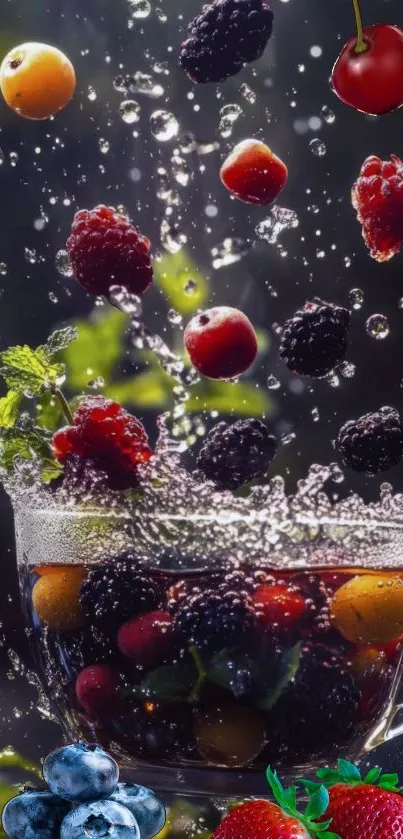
pixel 37 80
pixel 369 608
pixel 55 598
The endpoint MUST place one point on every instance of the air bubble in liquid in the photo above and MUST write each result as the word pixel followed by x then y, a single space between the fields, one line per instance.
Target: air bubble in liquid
pixel 104 145
pixel 228 116
pixel 248 93
pixel 328 115
pixel 356 298
pixel 140 8
pixel 172 236
pixel 129 110
pixel 280 219
pixel 180 170
pixel 63 264
pixel 164 126
pixel 377 327
pixel 318 147
pixel 229 251
pixel 190 287
pixel 273 383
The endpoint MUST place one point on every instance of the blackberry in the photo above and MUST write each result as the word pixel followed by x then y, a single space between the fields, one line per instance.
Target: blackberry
pixel 215 619
pixel 234 454
pixel 225 35
pixel 116 590
pixel 82 477
pixel 373 443
pixel 314 340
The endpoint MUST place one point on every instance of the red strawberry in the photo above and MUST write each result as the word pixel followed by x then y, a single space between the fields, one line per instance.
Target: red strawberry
pixel 368 808
pixel 266 820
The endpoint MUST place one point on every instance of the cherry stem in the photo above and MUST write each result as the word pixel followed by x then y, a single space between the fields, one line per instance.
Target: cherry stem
pixel 64 405
pixel 360 46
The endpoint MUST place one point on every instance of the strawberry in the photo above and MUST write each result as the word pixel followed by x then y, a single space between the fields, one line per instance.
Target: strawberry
pixel 361 808
pixel 281 820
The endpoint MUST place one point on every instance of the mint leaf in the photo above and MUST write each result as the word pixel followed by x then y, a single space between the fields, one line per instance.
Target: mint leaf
pixel 174 683
pixel 317 804
pixel 290 666
pixel 29 371
pixel 22 443
pixel 232 670
pixel 51 469
pixel 60 340
pixel 9 409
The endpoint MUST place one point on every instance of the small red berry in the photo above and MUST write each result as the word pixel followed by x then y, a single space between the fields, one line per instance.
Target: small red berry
pixel 253 173
pixel 97 688
pixel 221 342
pixel 105 249
pixel 377 196
pixel 279 605
pixel 115 441
pixel 371 80
pixel 146 639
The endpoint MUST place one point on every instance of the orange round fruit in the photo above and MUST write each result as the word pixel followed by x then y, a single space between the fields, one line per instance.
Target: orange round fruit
pixel 229 736
pixel 369 609
pixel 37 80
pixel 55 599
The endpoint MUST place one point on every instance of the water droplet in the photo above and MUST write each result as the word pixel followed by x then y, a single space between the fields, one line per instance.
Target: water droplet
pixel 174 317
pixel 172 236
pixel 3 269
pixel 128 303
pixel 377 327
pixel 53 297
pixel 140 8
pixel 279 219
pixel 129 110
pixel 273 383
pixel 356 298
pixel 347 369
pixel 228 116
pixel 164 126
pixel 63 264
pixel 180 170
pixel 92 94
pixel 187 143
pixel 318 147
pixel 315 414
pixel 231 250
pixel 13 158
pixel 248 93
pixel 96 384
pixel 328 115
pixel 190 287
pixel 104 145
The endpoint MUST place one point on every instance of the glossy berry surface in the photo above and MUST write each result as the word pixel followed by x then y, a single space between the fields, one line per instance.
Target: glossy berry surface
pixel 372 81
pixel 106 250
pixel 262 820
pixel 97 688
pixel 278 606
pixel 55 598
pixel 225 35
pixel 314 340
pixel 146 808
pixel 112 438
pixel 232 455
pixel 253 173
pixel 37 80
pixel 373 443
pixel 377 196
pixel 221 342
pixel 365 811
pixel 215 619
pixel 117 590
pixel 34 815
pixel 100 819
pixel 81 772
pixel 146 639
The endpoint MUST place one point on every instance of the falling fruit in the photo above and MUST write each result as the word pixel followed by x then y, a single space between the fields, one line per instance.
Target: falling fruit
pixel 37 80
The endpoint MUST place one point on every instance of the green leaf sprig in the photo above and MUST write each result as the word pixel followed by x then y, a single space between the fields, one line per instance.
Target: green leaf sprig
pixel 315 809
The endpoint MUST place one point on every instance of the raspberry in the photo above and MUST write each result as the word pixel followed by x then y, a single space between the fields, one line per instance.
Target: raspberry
pixel 215 619
pixel 237 453
pixel 373 443
pixel 377 196
pixel 105 249
pixel 226 35
pixel 116 591
pixel 314 340
pixel 112 438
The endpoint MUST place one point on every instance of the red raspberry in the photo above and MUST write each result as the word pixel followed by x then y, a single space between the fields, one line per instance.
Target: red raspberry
pixel 146 639
pixel 114 440
pixel 105 249
pixel 377 196
pixel 97 688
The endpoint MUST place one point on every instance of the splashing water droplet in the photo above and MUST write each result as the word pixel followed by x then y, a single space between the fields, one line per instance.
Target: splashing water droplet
pixel 190 287
pixel 347 369
pixel 129 111
pixel 229 251
pixel 174 317
pixel 328 115
pixel 180 170
pixel 356 298
pixel 248 93
pixel 280 219
pixel 318 147
pixel 164 126
pixel 92 94
pixel 172 236
pixel 377 327
pixel 228 116
pixel 273 383
pixel 104 145
pixel 140 8
pixel 63 264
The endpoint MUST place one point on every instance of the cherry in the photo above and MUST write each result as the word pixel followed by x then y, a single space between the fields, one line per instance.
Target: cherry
pixel 146 639
pixel 221 342
pixel 368 74
pixel 253 173
pixel 278 605
pixel 97 688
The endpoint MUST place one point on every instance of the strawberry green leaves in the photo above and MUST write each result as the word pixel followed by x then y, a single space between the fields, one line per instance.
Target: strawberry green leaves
pixel 349 773
pixel 315 809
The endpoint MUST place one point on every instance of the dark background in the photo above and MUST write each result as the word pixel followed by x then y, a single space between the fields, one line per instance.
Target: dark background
pixel 60 167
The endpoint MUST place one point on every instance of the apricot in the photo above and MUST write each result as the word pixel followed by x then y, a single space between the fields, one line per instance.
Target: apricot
pixel 37 80
pixel 55 598
pixel 369 609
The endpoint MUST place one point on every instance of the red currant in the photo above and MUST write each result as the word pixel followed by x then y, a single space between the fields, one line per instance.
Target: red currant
pixel 253 173
pixel 221 342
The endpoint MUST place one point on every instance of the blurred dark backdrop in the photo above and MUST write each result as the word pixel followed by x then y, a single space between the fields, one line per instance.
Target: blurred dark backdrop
pixel 89 154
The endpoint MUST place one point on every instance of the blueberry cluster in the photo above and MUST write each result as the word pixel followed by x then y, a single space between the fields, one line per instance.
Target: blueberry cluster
pixel 84 798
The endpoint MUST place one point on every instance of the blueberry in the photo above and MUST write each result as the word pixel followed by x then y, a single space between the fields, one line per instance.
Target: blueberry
pixel 146 808
pixel 81 772
pixel 34 815
pixel 100 820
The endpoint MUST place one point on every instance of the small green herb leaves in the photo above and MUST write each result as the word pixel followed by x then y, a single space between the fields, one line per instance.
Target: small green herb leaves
pixel 28 371
pixel 9 409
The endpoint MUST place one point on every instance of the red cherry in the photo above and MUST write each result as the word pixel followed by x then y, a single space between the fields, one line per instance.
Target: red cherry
pixel 371 80
pixel 97 688
pixel 221 342
pixel 147 638
pixel 278 605
pixel 254 173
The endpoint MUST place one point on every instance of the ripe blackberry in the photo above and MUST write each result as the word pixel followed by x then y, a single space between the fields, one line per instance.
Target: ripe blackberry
pixel 215 619
pixel 377 196
pixel 113 439
pixel 314 340
pixel 105 249
pixel 117 590
pixel 234 454
pixel 225 35
pixel 373 443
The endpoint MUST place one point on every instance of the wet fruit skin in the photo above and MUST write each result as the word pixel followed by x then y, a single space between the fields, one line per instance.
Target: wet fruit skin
pixel 221 342
pixel 372 81
pixel 146 639
pixel 229 736
pixel 369 609
pixel 278 605
pixel 97 687
pixel 55 599
pixel 37 80
pixel 253 173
